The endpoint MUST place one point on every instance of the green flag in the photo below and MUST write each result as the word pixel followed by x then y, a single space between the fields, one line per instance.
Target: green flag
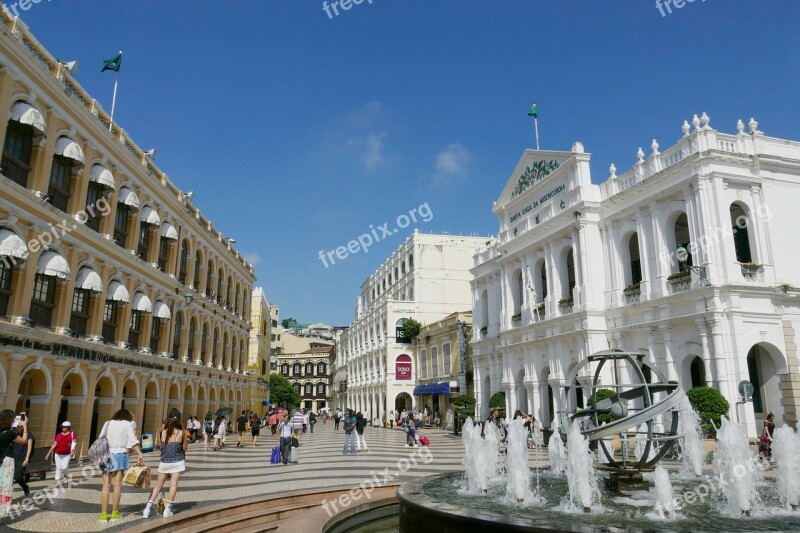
pixel 113 63
pixel 533 112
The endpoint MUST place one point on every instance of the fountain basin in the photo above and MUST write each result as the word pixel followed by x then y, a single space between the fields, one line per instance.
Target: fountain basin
pixel 439 503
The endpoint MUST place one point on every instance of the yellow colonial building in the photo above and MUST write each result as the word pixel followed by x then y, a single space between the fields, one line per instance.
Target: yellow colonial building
pixel 259 353
pixel 114 289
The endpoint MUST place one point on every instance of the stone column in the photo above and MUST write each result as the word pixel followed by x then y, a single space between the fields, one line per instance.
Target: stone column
pixel 669 361
pixel 704 343
pixel 644 255
pixel 662 253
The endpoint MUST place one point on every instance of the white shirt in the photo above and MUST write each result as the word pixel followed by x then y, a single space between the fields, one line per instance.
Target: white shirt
pixel 120 435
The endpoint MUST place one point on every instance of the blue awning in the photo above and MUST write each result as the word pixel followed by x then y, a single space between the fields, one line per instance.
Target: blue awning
pixel 429 389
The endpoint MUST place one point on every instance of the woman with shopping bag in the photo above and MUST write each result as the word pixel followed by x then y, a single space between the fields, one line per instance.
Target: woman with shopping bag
pixel 8 437
pixel 173 463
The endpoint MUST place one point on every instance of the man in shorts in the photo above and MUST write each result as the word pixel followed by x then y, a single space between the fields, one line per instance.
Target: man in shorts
pixel 241 427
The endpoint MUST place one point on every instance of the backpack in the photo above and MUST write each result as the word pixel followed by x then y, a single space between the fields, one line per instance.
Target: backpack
pixel 98 452
pixel 348 424
pixel 209 427
pixel 255 424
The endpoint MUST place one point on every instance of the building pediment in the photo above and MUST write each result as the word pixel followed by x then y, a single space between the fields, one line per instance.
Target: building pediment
pixel 533 169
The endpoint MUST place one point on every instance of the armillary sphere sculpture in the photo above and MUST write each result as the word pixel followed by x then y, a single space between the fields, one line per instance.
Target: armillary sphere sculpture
pixel 641 395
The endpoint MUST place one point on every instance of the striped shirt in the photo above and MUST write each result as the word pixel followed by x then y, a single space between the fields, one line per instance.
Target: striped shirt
pixel 297 421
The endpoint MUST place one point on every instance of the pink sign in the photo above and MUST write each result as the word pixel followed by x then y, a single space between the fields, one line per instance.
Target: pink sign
pixel 402 367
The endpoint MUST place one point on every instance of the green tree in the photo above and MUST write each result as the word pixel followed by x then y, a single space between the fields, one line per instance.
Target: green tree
pixel 498 401
pixel 409 330
pixel 602 394
pixel 464 405
pixel 710 405
pixel 281 391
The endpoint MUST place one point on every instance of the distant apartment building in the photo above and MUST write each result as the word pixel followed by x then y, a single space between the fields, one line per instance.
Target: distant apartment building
pixel 309 373
pixel 426 279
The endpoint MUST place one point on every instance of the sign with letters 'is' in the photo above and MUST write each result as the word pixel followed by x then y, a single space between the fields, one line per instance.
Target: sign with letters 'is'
pixel 402 367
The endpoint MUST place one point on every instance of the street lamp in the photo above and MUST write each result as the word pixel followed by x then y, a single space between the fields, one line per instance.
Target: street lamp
pixel 682 254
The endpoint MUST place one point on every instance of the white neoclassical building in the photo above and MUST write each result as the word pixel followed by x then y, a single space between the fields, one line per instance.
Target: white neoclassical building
pixel 426 278
pixel 581 267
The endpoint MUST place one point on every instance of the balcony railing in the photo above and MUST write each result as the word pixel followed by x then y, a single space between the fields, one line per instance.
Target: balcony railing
pixel 78 324
pixel 15 171
pixel 41 314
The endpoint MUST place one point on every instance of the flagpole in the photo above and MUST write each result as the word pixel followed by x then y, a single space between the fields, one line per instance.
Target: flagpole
pixel 535 125
pixel 114 102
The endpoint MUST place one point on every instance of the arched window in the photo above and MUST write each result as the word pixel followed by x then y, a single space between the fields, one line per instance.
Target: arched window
pixel 517 291
pixel 320 389
pixel 309 389
pixel 570 275
pixel 410 261
pixel 423 363
pixel 220 277
pixel 635 261
pixel 183 262
pixel 192 332
pixel 434 361
pixel 309 369
pixel 543 279
pixel 176 341
pixel 296 387
pixel 21 134
pixel 740 222
pixel 225 351
pixel 209 273
pixel 682 235
pixel 484 308
pixel 203 345
pixel 196 274
pixel 214 348
pixel 321 369
pixel 296 369
pixel 285 369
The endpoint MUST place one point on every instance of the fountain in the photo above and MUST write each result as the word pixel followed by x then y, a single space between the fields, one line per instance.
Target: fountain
pixel 786 451
pixel 557 454
pixel 518 486
pixel 642 490
pixel 480 456
pixel 692 449
pixel 581 479
pixel 736 467
pixel 665 495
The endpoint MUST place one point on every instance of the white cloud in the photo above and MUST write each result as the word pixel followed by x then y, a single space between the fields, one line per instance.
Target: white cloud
pixel 373 155
pixel 253 258
pixel 452 162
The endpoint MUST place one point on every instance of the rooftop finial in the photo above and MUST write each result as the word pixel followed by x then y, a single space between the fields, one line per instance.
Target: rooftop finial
pixel 686 128
pixel 706 120
pixel 696 123
pixel 740 126
pixel 613 170
pixel 753 125
pixel 654 146
pixel 640 155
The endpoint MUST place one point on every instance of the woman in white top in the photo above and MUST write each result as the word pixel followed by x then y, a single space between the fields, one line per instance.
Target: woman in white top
pixel 121 436
pixel 222 430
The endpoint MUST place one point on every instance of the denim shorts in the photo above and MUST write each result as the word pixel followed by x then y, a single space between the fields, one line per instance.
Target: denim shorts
pixel 117 462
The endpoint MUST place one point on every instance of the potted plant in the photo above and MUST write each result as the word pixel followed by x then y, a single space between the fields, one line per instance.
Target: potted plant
pixel 517 317
pixel 679 277
pixel 631 289
pixel 566 301
pixel 484 329
pixel 751 268
pixel 710 405
pixel 540 308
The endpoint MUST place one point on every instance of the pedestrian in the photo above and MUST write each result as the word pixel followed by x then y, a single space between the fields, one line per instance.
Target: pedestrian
pixel 273 422
pixel 9 436
pixel 349 434
pixel 437 420
pixel 297 421
pixel 22 456
pixel 337 416
pixel 765 448
pixel 305 420
pixel 255 428
pixel 361 423
pixel 173 463
pixel 411 438
pixel 391 419
pixel 241 427
pixel 226 431
pixel 121 439
pixel 64 449
pixel 198 428
pixel 208 433
pixel 220 428
pixel 285 432
pixel 312 419
pixel 324 415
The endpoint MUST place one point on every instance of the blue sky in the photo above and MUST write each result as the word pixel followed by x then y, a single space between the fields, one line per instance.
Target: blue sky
pixel 297 131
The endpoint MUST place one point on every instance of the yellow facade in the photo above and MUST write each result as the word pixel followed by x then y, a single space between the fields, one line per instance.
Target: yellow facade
pixel 94 313
pixel 259 352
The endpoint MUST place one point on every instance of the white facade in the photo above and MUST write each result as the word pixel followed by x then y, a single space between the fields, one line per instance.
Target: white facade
pixel 581 267
pixel 426 279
